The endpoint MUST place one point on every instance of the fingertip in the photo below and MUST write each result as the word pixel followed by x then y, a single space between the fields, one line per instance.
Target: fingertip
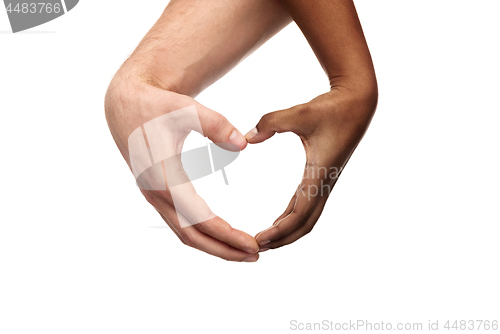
pixel 264 242
pixel 255 137
pixel 244 146
pixel 252 249
pixel 236 138
pixel 252 258
pixel 251 134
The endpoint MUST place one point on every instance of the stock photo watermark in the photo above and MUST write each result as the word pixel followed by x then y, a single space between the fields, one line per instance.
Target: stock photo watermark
pixel 24 15
pixel 367 325
pixel 318 181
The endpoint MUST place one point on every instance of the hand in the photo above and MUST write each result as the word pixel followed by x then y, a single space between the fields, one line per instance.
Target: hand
pixel 132 106
pixel 330 127
pixel 192 45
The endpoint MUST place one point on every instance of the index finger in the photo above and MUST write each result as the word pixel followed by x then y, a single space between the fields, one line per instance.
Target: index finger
pixel 304 208
pixel 192 210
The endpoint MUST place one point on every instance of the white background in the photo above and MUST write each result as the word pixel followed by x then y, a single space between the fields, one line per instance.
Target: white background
pixel 410 233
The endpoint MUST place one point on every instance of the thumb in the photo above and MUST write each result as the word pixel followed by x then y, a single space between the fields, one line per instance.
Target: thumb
pixel 277 121
pixel 218 129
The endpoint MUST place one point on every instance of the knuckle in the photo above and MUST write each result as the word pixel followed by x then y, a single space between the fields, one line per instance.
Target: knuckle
pixel 148 196
pixel 162 194
pixel 302 217
pixel 303 110
pixel 188 240
pixel 231 233
pixel 308 229
pixel 202 227
pixel 225 257
pixel 278 228
pixel 218 124
pixel 267 121
pixel 278 246
pixel 303 220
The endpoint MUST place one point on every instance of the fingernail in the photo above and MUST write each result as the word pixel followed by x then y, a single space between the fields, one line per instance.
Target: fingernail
pixel 236 138
pixel 250 250
pixel 262 243
pixel 250 259
pixel 252 133
pixel 263 250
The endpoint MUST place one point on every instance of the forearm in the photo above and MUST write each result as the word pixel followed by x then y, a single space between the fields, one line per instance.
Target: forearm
pixel 334 32
pixel 196 42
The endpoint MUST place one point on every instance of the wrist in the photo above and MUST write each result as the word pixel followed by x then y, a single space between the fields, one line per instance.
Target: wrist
pixel 358 90
pixel 125 89
pixel 352 106
pixel 145 68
